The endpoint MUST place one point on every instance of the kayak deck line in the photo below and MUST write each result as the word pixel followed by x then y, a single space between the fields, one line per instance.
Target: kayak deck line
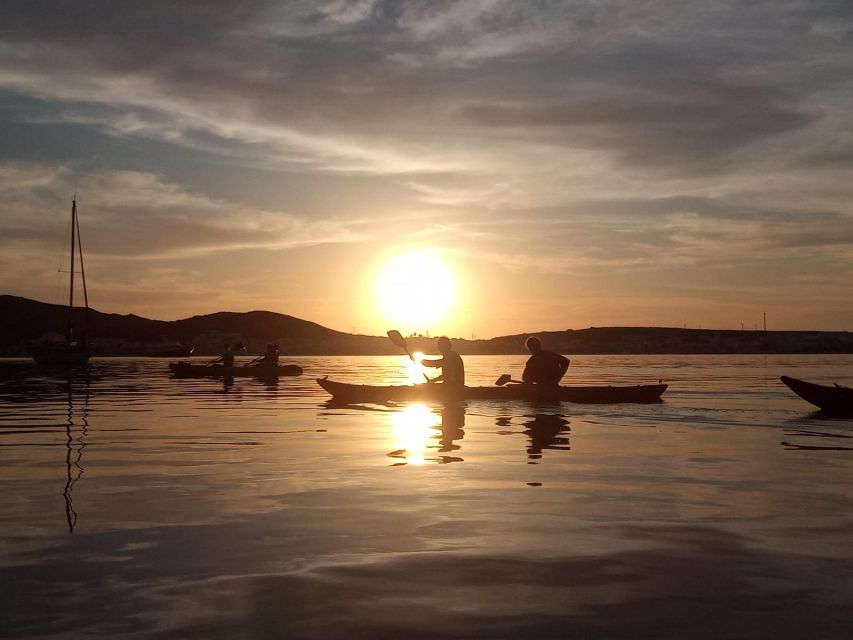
pixel 650 393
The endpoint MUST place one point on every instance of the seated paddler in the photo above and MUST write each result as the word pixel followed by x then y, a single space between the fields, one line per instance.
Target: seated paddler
pixel 270 357
pixel 543 366
pixel 227 357
pixel 450 363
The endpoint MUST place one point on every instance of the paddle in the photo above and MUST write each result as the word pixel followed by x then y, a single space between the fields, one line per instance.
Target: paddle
pixel 506 378
pixel 399 341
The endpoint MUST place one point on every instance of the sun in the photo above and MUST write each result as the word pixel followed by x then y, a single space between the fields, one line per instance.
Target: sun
pixel 415 291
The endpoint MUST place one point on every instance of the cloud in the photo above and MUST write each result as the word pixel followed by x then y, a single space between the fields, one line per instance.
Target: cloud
pixel 137 215
pixel 436 86
pixel 624 236
pixel 643 136
pixel 689 125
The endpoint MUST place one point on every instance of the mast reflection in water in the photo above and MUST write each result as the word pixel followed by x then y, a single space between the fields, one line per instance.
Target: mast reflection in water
pixel 75 443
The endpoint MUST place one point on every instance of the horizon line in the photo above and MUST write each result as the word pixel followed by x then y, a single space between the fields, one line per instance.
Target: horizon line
pixel 755 329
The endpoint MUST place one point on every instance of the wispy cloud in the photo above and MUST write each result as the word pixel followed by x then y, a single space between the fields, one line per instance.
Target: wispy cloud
pixel 136 215
pixel 324 82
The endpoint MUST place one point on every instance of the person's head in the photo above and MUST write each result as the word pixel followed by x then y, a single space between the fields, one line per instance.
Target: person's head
pixel 227 347
pixel 444 344
pixel 533 344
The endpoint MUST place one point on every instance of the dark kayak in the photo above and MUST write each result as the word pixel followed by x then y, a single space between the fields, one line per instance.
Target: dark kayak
pixel 831 399
pixel 189 370
pixel 345 392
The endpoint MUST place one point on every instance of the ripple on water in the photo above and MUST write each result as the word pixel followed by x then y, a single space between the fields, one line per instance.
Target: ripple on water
pixel 136 503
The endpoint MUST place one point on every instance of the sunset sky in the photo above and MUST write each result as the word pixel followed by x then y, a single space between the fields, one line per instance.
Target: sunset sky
pixel 550 165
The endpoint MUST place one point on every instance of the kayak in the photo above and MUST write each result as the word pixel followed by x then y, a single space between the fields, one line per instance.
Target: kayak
pixel 834 399
pixel 346 392
pixel 188 370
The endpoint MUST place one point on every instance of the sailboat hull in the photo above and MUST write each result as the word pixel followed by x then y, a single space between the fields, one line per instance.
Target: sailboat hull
pixel 62 355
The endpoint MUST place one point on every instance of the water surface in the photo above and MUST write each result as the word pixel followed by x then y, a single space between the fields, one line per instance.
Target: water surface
pixel 136 505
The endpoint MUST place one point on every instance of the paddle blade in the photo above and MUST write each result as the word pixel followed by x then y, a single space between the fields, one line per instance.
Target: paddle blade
pixel 398 339
pixel 503 379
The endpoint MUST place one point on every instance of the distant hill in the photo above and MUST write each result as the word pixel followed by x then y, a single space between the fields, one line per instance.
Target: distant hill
pixel 23 321
pixel 663 340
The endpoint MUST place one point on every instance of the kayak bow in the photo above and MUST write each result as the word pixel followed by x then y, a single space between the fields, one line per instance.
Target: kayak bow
pixel 838 400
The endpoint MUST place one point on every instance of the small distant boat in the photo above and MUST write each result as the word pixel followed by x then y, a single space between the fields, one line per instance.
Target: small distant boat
pixel 73 351
pixel 190 370
pixel 438 392
pixel 830 399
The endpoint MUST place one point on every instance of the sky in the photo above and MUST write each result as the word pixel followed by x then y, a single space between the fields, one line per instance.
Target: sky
pixel 568 164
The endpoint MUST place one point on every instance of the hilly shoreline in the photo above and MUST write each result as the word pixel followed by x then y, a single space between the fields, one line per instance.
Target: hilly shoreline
pixel 23 322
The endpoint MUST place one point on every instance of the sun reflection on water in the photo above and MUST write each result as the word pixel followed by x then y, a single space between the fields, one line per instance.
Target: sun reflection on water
pixel 412 429
pixel 414 370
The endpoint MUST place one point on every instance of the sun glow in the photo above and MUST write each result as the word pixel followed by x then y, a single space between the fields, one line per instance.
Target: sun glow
pixel 414 370
pixel 413 428
pixel 415 291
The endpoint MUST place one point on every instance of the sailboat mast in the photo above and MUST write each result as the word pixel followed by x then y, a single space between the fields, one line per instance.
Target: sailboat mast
pixel 70 327
pixel 82 268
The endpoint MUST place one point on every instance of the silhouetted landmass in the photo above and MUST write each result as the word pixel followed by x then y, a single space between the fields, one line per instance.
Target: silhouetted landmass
pixel 663 340
pixel 23 322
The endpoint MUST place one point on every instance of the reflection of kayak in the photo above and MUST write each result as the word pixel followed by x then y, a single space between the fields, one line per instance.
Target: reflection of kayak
pixel 343 391
pixel 189 370
pixel 833 399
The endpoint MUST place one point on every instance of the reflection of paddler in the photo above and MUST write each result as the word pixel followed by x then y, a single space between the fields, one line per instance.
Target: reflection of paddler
pixel 543 430
pixel 452 427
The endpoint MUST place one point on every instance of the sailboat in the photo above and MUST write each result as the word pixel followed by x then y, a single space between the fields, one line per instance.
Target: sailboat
pixel 74 351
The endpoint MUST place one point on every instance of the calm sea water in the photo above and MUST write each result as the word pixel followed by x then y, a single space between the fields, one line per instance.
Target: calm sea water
pixel 134 505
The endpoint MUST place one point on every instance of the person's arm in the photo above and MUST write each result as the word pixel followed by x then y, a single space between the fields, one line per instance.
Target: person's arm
pixel 435 364
pixel 564 365
pixel 527 375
